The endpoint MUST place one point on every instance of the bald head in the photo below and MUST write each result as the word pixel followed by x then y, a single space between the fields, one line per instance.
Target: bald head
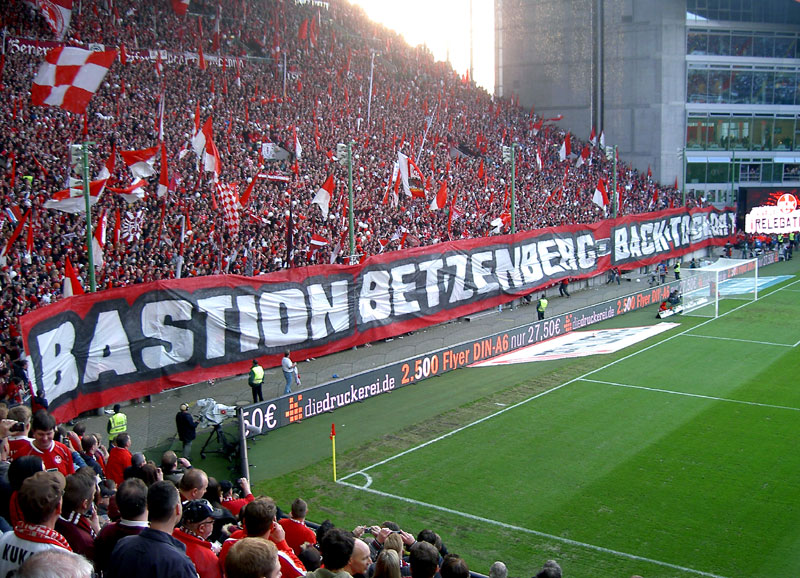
pixel 359 560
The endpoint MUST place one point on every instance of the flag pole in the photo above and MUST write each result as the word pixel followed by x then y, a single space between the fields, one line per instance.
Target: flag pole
pixel 351 220
pixel 333 448
pixel 615 204
pixel 90 251
pixel 513 188
pixel 369 101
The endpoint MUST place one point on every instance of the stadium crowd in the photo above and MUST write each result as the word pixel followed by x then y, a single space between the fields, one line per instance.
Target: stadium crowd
pixel 295 72
pixel 71 508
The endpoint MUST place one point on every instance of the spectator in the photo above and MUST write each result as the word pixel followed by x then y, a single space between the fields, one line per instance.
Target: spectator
pixel 131 499
pixel 54 455
pixel 193 485
pixel 187 429
pixel 195 528
pixel 310 557
pixel 78 521
pixel 337 548
pixel 551 569
pixel 119 458
pixel 135 469
pixel 56 563
pixel 498 570
pixel 170 469
pixel 234 504
pixel 359 560
pixel 258 519
pixel 424 560
pixel 252 558
pixel 19 438
pixel 154 552
pixel 454 566
pixel 89 454
pixel 74 437
pixel 40 503
pixel 255 380
pixel 297 533
pixel 18 471
pixel 387 565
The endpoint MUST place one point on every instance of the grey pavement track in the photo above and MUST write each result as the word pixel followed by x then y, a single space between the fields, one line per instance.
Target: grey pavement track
pixel 151 423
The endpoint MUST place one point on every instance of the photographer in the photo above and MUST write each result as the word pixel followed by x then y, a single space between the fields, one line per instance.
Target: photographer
pixel 187 429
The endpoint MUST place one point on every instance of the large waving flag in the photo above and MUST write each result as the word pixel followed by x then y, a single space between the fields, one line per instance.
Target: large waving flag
pixel 411 177
pixel 69 77
pixel 566 148
pixel 600 197
pixel 141 162
pixel 180 7
pixel 440 200
pixel 58 14
pixel 71 200
pixel 71 285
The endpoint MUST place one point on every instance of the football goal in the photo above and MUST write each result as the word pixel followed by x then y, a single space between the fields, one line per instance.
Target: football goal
pixel 702 289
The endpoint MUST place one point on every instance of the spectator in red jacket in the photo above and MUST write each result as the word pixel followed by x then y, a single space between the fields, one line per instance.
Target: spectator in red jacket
pixel 297 533
pixel 55 455
pixel 119 458
pixel 193 531
pixel 230 501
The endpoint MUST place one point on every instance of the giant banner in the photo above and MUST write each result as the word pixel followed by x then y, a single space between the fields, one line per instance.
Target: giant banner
pixel 92 350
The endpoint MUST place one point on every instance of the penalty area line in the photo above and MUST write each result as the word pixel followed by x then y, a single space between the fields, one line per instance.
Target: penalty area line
pixel 538 533
pixel 740 340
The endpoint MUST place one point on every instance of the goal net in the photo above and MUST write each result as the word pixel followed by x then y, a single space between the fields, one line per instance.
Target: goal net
pixel 703 289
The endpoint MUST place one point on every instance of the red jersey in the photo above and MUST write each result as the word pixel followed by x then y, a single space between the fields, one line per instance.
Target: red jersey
pixel 297 534
pixel 234 506
pixel 118 460
pixel 15 444
pixel 56 457
pixel 199 550
pixel 291 566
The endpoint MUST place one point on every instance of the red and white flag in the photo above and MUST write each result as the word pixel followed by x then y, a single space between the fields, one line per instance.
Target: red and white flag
pixel 132 226
pixel 211 160
pixel 654 200
pixel 132 193
pixel 600 197
pixel 593 138
pixel 602 139
pixel 141 162
pixel 230 206
pixel 411 177
pixel 323 196
pixel 57 13
pixel 201 135
pixel 99 241
pixel 318 241
pixel 566 148
pixel 538 158
pixel 163 178
pixel 71 200
pixel 69 77
pixel 440 200
pixel 180 7
pixel 71 285
pixel 585 157
pixel 108 169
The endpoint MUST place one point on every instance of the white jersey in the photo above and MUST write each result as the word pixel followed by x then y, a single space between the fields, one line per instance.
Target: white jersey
pixel 14 551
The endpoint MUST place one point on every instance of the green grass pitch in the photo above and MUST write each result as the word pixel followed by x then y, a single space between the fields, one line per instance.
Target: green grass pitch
pixel 676 457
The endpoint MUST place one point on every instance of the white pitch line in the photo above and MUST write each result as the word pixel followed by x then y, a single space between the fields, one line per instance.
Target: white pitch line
pixel 553 537
pixel 740 340
pixel 711 397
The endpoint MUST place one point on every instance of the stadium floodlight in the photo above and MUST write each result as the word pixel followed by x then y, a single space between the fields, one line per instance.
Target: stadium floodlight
pixel 702 289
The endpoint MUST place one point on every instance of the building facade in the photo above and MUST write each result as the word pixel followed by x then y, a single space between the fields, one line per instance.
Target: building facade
pixel 705 91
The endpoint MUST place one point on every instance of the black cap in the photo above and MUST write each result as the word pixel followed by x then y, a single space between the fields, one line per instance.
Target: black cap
pixel 198 510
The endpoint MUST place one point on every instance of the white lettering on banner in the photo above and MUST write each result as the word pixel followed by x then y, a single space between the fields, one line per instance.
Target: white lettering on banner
pixel 164 334
pixel 643 239
pixel 772 220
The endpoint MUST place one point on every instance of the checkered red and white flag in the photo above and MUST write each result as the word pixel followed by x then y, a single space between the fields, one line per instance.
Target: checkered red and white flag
pixel 58 14
pixel 69 77
pixel 229 196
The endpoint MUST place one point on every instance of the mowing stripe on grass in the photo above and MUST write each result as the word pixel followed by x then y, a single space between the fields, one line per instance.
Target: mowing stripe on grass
pixel 556 388
pixel 740 340
pixel 711 397
pixel 534 532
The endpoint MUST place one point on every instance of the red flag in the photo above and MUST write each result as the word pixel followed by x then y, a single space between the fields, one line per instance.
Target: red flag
pixel 302 33
pixel 71 284
pixel 16 232
pixel 333 431
pixel 440 200
pixel 323 196
pixel 600 198
pixel 163 178
pixel 481 173
pixel 201 61
pixel 180 7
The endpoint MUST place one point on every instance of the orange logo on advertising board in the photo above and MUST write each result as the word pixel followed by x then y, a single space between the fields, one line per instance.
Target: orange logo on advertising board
pixel 295 412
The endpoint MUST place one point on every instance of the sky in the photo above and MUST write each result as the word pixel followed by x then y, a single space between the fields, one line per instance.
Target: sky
pixel 443 25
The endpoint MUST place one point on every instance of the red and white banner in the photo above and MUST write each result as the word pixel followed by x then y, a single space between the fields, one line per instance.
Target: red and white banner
pixel 69 77
pixel 58 14
pixel 171 333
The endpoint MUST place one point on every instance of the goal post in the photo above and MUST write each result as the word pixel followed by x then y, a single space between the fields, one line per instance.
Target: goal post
pixel 703 289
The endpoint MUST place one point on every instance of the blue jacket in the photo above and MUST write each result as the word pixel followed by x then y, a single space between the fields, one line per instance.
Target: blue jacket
pixel 153 554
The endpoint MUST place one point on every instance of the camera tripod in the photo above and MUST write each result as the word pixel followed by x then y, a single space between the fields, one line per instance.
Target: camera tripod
pixel 226 442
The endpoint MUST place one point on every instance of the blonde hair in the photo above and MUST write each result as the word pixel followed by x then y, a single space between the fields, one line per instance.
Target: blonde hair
pixel 387 565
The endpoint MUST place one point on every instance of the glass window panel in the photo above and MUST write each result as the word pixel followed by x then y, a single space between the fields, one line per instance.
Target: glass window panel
pixel 762 133
pixel 783 132
pixel 696 172
pixel 785 46
pixel 696 132
pixel 766 172
pixel 740 130
pixel 741 86
pixel 749 172
pixel 791 172
pixel 697 85
pixel 719 44
pixel 718 173
pixel 742 45
pixel 719 86
pixel 697 42
pixel 785 86
pixel 764 46
pixel 717 133
pixel 762 87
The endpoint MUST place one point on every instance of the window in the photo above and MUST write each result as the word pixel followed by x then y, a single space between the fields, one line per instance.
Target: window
pixel 750 172
pixel 741 86
pixel 791 172
pixel 696 129
pixel 783 131
pixel 762 133
pixel 785 86
pixel 697 42
pixel 697 85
